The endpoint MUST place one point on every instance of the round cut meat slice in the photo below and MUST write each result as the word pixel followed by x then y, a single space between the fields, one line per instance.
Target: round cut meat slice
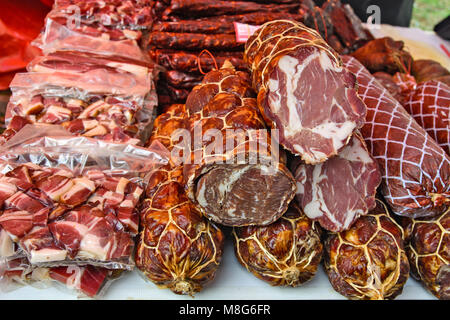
pixel 337 192
pixel 312 101
pixel 242 194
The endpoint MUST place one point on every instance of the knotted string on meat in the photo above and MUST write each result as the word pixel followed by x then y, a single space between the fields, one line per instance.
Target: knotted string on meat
pixel 178 248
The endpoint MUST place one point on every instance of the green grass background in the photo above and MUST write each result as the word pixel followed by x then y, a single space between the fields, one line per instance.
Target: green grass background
pixel 427 13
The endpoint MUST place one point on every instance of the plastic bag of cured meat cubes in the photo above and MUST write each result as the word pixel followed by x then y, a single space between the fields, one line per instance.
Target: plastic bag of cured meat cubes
pixel 67 200
pixel 98 103
pixel 87 281
pixel 111 28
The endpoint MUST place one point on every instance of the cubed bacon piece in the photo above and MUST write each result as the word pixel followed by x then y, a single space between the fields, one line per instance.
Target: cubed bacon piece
pixel 55 186
pixel 35 106
pixel 7 189
pixel 7 247
pixel 55 114
pixel 22 201
pixel 58 211
pixel 113 199
pixel 97 131
pixel 81 190
pixel 75 105
pixel 21 185
pixel 40 246
pixel 17 123
pixel 121 185
pixel 40 218
pixel 129 218
pixel 16 223
pixel 20 173
pixel 68 235
pixel 94 109
pixel 95 175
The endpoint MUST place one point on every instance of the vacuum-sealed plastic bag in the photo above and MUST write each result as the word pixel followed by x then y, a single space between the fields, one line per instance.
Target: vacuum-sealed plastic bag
pixel 60 36
pixel 70 200
pixel 86 281
pixel 98 103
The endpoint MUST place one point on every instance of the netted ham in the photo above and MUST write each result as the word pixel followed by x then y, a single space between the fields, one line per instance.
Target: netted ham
pixel 289 62
pixel 415 169
pixel 368 261
pixel 58 218
pixel 429 105
pixel 178 248
pixel 285 253
pixel 428 249
pixel 235 177
pixel 340 190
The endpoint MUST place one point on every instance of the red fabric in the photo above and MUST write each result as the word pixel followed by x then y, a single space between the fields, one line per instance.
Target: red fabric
pixel 20 23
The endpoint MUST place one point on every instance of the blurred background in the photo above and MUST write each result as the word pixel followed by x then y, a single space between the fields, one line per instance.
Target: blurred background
pixel 427 13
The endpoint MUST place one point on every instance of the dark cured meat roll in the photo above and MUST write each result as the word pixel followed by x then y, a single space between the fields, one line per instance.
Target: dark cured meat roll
pixel 177 248
pixel 235 181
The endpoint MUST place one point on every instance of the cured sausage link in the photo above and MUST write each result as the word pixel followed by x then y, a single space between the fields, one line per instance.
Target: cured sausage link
pixel 193 41
pixel 415 169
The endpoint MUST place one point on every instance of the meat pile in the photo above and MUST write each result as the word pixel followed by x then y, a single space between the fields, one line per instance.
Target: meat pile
pixel 93 81
pixel 320 130
pixel 183 29
pixel 177 248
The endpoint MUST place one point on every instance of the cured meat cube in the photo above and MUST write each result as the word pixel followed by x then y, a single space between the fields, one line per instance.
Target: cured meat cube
pixel 40 246
pixel 22 201
pixel 337 192
pixel 55 186
pixel 7 189
pixel 7 246
pixel 289 61
pixel 80 191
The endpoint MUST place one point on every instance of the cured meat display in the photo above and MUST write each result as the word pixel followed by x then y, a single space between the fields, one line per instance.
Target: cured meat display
pixel 415 169
pixel 234 177
pixel 284 58
pixel 285 253
pixel 384 54
pixel 428 247
pixel 340 190
pixel 177 248
pixel 368 261
pixel 185 27
pixel 110 106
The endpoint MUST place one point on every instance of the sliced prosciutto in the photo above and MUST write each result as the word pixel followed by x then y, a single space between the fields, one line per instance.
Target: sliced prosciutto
pixel 303 90
pixel 337 192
